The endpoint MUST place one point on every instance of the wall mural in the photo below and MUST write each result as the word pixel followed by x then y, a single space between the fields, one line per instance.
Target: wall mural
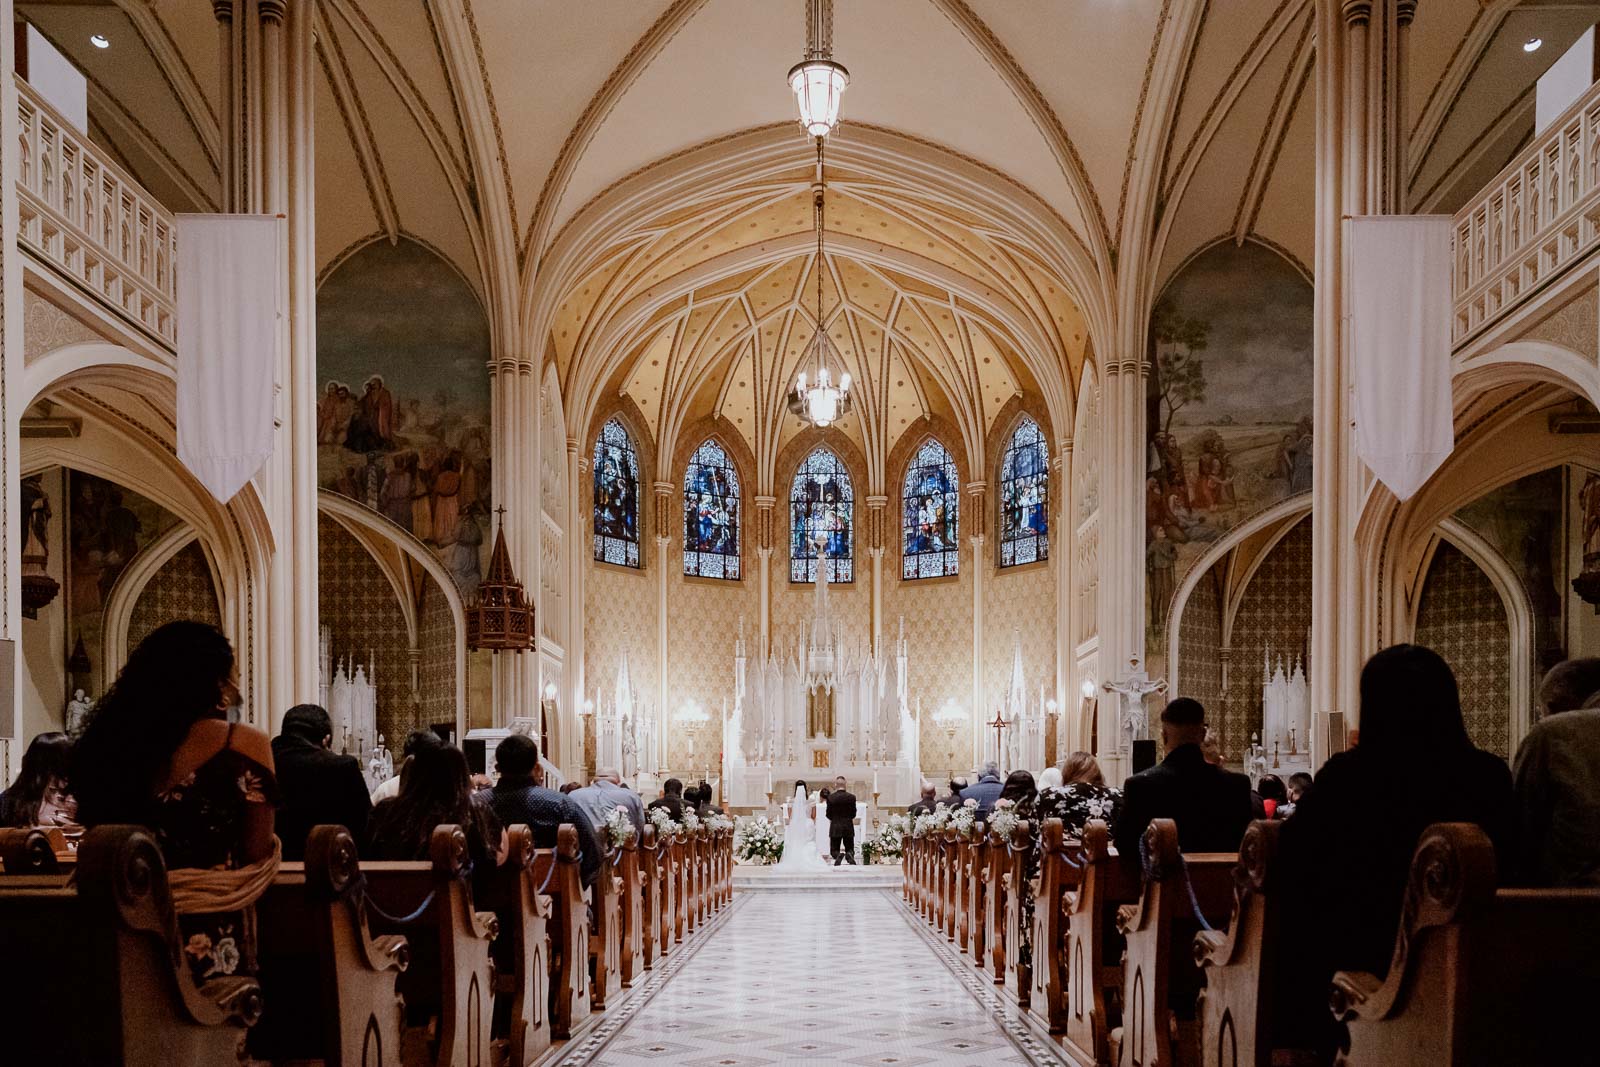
pixel 403 415
pixel 107 526
pixel 1228 408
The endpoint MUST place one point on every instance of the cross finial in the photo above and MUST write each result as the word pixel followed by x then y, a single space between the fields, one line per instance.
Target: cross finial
pixel 500 515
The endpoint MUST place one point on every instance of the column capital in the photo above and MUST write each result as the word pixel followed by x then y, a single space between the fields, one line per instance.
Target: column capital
pixel 973 488
pixel 271 10
pixel 1357 12
pixel 876 501
pixel 1405 11
pixel 663 488
pixel 223 10
pixel 764 503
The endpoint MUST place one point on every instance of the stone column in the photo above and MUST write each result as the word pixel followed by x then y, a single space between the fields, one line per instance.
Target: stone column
pixel 664 515
pixel 1121 603
pixel 876 544
pixel 1063 528
pixel 268 71
pixel 1359 170
pixel 977 525
pixel 762 539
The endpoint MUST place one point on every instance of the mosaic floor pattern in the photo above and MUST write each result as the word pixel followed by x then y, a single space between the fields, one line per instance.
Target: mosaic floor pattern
pixel 820 978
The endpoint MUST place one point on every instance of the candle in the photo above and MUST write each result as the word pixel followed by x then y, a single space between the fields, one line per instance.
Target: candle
pixel 874 783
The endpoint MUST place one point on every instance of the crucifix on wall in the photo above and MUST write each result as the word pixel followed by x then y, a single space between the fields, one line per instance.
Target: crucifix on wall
pixel 1133 723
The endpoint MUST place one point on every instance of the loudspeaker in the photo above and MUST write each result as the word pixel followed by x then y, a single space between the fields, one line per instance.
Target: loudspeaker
pixel 1144 755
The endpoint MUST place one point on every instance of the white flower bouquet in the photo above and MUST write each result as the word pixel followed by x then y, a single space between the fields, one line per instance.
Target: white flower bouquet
pixel 888 844
pixel 1003 820
pixel 718 823
pixel 932 823
pixel 665 827
pixel 756 840
pixel 963 819
pixel 619 828
pixel 691 821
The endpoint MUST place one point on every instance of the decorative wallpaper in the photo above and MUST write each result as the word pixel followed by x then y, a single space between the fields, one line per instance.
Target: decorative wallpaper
pixel 357 603
pixel 620 617
pixel 1200 645
pixel 702 628
pixel 938 618
pixel 1275 613
pixel 181 589
pixel 436 667
pixel 1462 618
pixel 1018 603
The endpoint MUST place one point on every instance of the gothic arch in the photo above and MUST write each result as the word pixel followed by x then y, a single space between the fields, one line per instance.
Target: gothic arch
pixel 131 584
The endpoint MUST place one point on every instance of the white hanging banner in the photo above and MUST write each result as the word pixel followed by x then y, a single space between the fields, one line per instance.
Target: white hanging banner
pixel 230 300
pixel 1398 307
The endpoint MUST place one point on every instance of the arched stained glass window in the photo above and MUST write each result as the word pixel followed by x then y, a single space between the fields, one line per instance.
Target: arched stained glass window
pixel 1025 497
pixel 616 497
pixel 931 506
pixel 821 516
pixel 711 514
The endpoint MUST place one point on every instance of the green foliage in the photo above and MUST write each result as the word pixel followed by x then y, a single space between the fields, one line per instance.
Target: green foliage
pixel 1180 372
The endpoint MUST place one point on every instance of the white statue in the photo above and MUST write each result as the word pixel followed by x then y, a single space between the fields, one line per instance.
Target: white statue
pixel 630 749
pixel 380 768
pixel 1134 723
pixel 78 709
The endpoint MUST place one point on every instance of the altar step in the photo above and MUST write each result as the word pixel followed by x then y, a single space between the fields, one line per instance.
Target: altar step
pixel 875 876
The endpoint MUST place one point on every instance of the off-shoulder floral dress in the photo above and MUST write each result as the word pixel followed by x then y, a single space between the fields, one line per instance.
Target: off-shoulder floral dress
pixel 200 823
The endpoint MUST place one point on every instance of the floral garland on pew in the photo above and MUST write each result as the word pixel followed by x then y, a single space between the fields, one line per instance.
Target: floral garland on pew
pixel 757 840
pixel 888 844
pixel 664 824
pixel 718 823
pixel 1003 820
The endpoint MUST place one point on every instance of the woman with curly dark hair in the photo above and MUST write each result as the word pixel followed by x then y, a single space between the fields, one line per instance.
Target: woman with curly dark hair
pixel 435 790
pixel 159 750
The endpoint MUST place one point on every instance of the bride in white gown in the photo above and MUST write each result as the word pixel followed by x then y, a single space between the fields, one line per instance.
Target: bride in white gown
pixel 800 834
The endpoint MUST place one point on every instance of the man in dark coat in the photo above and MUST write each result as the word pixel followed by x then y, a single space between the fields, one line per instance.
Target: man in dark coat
pixel 926 805
pixel 1210 805
pixel 842 823
pixel 318 785
pixel 986 790
pixel 671 798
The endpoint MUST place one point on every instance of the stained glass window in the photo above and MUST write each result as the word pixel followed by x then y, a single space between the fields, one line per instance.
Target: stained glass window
pixel 616 497
pixel 930 523
pixel 821 516
pixel 711 514
pixel 1025 497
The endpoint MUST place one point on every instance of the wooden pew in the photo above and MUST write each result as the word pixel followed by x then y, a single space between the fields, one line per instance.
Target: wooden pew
pixel 632 955
pixel 1094 947
pixel 557 872
pixel 330 988
pixel 682 884
pixel 1060 872
pixel 522 951
pixel 997 890
pixel 1014 869
pixel 944 910
pixel 976 873
pixel 38 850
pixel 95 973
pixel 1479 976
pixel 1159 965
pixel 450 976
pixel 1240 964
pixel 959 857
pixel 651 900
pixel 605 936
pixel 668 918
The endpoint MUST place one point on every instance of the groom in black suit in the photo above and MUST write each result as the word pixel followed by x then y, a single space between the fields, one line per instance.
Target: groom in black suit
pixel 842 823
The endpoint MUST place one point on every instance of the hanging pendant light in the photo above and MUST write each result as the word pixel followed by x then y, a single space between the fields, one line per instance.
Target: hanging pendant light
pixel 821 401
pixel 817 81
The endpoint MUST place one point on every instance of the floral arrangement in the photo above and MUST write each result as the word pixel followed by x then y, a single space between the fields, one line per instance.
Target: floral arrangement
pixel 1003 819
pixel 619 828
pixel 932 823
pixel 718 823
pixel 888 844
pixel 665 827
pixel 756 840
pixel 963 819
pixel 691 821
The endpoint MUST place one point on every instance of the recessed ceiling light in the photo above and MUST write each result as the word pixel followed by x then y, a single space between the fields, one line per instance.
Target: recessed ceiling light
pixel 100 40
pixel 1532 44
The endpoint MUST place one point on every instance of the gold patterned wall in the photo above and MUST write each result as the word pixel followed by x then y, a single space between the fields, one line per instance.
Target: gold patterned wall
pixel 938 617
pixel 702 627
pixel 1019 603
pixel 620 617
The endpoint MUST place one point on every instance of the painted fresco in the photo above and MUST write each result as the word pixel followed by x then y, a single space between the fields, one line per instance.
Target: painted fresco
pixel 403 409
pixel 107 526
pixel 1522 521
pixel 1228 408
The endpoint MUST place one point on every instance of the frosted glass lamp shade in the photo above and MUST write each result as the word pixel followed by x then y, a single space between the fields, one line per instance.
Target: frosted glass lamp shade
pixel 818 86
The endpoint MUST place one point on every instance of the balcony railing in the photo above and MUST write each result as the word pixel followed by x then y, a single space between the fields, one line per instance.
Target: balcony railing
pixel 1536 218
pixel 82 213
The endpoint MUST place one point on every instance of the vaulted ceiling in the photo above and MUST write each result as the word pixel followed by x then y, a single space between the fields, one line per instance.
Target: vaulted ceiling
pixel 514 136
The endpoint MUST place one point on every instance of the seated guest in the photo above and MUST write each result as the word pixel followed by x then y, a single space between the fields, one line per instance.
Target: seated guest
pixel 319 786
pixel 1082 796
pixel 986 790
pixel 952 799
pixel 416 739
pixel 1346 855
pixel 926 805
pixel 1557 781
pixel 707 796
pixel 671 798
pixel 1269 796
pixel 437 791
pixel 1299 784
pixel 1050 778
pixel 597 799
pixel 39 796
pixel 159 751
pixel 520 797
pixel 1210 805
pixel 1211 748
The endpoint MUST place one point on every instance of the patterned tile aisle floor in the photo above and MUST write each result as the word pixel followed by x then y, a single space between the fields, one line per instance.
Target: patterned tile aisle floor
pixel 817 978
